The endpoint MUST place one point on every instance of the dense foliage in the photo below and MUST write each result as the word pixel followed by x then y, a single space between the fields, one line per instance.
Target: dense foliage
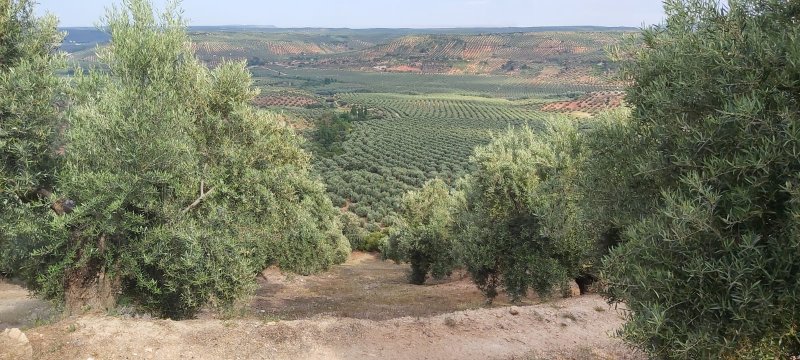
pixel 331 130
pixel 612 191
pixel 521 223
pixel 361 235
pixel 425 238
pixel 30 95
pixel 183 190
pixel 711 270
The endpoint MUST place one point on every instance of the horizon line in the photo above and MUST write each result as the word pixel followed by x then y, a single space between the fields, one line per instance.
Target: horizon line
pixel 385 28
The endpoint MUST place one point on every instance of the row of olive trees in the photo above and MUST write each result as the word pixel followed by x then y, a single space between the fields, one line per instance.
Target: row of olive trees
pixel 515 223
pixel 692 196
pixel 179 191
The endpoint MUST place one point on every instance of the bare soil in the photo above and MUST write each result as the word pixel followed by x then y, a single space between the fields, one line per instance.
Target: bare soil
pixel 19 310
pixel 284 100
pixel 591 103
pixel 363 288
pixel 360 310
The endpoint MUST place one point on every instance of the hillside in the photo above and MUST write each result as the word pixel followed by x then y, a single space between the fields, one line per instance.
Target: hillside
pixel 524 51
pixel 502 53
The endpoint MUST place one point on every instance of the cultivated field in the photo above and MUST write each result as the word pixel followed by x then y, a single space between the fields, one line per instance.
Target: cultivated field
pixel 424 121
pixel 432 97
pixel 416 138
pixel 554 82
pixel 590 103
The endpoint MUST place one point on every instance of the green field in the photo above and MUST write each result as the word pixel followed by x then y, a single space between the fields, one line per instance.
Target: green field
pixel 420 137
pixel 329 82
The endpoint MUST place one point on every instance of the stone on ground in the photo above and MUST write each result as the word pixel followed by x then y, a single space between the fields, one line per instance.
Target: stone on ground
pixel 14 345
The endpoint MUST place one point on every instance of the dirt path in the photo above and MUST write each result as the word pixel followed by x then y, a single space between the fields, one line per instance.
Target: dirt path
pixel 363 309
pixel 577 328
pixel 363 288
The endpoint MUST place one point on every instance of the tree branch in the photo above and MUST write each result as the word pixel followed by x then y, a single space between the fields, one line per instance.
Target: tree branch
pixel 199 200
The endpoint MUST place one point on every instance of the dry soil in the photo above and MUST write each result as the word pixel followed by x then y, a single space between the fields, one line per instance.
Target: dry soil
pixel 360 310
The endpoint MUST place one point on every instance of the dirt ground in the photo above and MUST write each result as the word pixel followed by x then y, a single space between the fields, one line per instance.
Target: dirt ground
pixel 360 310
pixel 364 288
pixel 18 310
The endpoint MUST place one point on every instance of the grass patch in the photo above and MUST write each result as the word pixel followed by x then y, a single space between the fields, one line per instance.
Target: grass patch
pixel 450 322
pixel 570 316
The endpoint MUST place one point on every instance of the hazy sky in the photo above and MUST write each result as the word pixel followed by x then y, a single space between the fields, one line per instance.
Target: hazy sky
pixel 387 13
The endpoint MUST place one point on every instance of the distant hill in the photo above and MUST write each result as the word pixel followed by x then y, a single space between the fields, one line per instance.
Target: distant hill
pixel 537 51
pixel 78 39
pixel 93 35
pixel 480 30
pixel 265 28
pixel 396 51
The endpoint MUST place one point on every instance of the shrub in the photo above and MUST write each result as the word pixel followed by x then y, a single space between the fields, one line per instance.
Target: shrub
pixel 353 230
pixel 374 240
pixel 425 238
pixel 520 223
pixel 711 270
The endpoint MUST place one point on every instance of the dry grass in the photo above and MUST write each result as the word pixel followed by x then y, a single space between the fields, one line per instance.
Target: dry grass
pixel 570 316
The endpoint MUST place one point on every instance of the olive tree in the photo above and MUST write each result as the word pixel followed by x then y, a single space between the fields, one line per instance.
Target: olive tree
pixel 710 270
pixel 613 191
pixel 520 223
pixel 424 238
pixel 30 117
pixel 183 191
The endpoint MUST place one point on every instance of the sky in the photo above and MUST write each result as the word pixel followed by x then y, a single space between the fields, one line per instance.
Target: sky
pixel 386 13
